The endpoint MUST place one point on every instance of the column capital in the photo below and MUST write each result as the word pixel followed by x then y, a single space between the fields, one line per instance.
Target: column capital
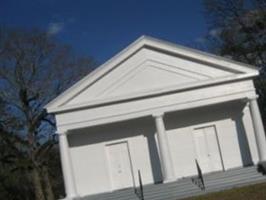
pixel 255 97
pixel 158 114
pixel 61 133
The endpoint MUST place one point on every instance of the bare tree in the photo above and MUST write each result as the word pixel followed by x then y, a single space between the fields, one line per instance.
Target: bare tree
pixel 34 68
pixel 237 29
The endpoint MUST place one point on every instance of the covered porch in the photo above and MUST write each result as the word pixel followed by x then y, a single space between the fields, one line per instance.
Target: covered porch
pixel 163 146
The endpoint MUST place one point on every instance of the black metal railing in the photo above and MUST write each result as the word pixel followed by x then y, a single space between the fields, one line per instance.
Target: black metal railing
pixel 139 190
pixel 199 181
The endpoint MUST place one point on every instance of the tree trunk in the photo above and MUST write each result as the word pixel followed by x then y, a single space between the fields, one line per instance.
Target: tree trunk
pixel 48 186
pixel 38 189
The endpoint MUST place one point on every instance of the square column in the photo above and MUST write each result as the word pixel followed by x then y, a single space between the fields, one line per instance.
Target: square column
pixel 166 161
pixel 69 182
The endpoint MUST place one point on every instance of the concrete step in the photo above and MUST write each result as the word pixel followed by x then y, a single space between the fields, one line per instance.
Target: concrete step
pixel 174 193
pixel 210 189
pixel 185 187
pixel 236 182
pixel 211 179
pixel 231 172
pixel 233 177
pixel 120 194
pixel 178 184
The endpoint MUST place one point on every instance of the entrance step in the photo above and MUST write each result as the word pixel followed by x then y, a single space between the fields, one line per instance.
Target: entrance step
pixel 185 187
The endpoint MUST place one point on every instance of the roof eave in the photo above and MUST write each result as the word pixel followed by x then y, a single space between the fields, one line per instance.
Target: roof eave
pixel 98 102
pixel 133 48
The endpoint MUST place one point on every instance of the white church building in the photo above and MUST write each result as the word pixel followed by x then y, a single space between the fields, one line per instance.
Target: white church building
pixel 157 107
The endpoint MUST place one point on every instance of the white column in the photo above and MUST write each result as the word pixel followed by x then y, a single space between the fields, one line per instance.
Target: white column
pixel 258 128
pixel 69 182
pixel 166 161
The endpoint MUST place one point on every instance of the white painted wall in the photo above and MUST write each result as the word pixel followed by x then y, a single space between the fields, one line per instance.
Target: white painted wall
pixel 145 107
pixel 90 158
pixel 131 76
pixel 248 126
pixel 224 118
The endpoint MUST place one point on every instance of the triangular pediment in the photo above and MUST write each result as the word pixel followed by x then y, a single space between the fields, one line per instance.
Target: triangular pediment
pixel 147 70
pixel 149 77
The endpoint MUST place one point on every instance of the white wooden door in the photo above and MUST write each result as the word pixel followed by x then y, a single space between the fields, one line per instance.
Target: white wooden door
pixel 207 149
pixel 120 165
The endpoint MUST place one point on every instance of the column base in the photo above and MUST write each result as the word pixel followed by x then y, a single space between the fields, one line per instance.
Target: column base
pixel 169 180
pixel 71 198
pixel 262 167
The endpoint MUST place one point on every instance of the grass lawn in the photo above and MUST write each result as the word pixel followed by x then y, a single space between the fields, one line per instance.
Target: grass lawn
pixel 253 192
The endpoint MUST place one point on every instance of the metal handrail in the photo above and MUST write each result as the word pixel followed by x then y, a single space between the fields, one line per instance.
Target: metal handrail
pixel 139 191
pixel 199 181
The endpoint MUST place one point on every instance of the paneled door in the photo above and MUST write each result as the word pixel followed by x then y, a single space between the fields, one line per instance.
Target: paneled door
pixel 120 165
pixel 207 149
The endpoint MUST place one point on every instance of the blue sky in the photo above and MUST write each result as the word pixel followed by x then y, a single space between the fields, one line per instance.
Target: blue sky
pixel 101 28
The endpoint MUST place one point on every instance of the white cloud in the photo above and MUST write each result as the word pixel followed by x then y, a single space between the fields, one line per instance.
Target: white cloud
pixel 215 32
pixel 55 27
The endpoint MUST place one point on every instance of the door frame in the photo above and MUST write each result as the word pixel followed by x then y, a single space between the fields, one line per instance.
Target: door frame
pixel 206 125
pixel 112 188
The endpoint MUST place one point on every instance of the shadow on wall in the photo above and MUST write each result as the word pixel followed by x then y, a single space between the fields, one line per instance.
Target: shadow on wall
pixel 146 127
pixel 243 141
pixel 122 130
pixel 154 157
pixel 233 110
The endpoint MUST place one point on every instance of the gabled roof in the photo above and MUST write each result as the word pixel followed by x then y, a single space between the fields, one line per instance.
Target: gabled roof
pixel 233 69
